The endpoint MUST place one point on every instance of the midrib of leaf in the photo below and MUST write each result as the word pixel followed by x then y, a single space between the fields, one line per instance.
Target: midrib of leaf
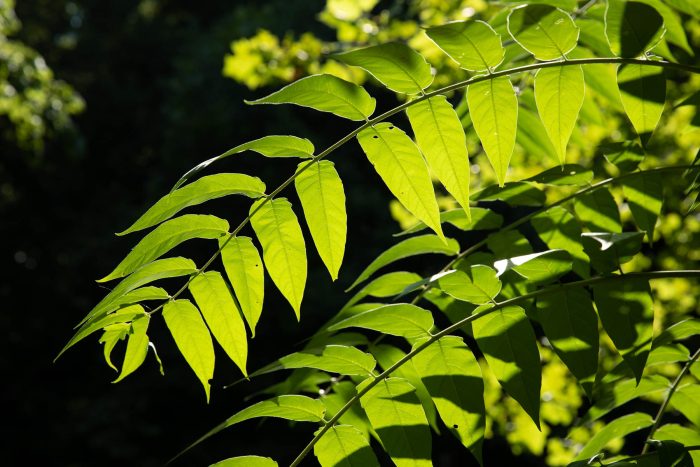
pixel 399 65
pixel 350 103
pixel 544 31
pixel 326 223
pixel 286 255
pixel 246 284
pixel 495 122
pixel 476 49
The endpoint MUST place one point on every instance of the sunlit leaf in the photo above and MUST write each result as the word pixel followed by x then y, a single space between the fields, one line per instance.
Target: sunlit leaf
pixel 399 319
pixel 480 285
pixel 222 315
pixel 546 32
pixel 643 94
pixel 472 44
pixel 686 400
pixel 111 336
pixel 481 219
pixel 332 358
pixel 684 435
pixel 167 236
pixel 494 110
pixel 136 347
pixel 632 28
pixel 323 199
pixel 644 193
pixel 509 345
pixel 401 166
pixel 598 211
pixel 246 461
pixel 284 250
pixel 325 93
pixel 538 268
pixel 394 64
pixel 344 445
pixel 616 429
pixel 678 332
pixel 246 274
pixel 192 338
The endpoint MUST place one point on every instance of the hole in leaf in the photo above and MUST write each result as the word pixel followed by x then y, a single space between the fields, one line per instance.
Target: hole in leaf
pixel 455 426
pixel 375 136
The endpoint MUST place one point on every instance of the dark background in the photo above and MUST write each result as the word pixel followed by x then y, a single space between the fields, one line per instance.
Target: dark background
pixel 156 104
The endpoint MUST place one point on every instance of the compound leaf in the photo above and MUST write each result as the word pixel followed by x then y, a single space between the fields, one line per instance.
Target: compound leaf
pixel 472 44
pixel 480 285
pixel 546 32
pixel 136 347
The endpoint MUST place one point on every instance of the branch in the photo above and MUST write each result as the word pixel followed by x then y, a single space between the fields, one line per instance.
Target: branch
pixel 465 321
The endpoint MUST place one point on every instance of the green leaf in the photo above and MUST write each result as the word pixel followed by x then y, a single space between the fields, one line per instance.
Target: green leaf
pixel 480 285
pixel 160 269
pixel 197 192
pixel 559 95
pixel 344 446
pixel 453 378
pixel 532 136
pixel 167 236
pixel 567 174
pixel 616 429
pixel 222 315
pixel 388 285
pixel 645 195
pixel 246 461
pixel 571 325
pixel 123 315
pixel 627 313
pixel 413 246
pixel 685 436
pixel 325 93
pixel 643 94
pixel 395 65
pixel 509 345
pixel 399 319
pixel 441 138
pixel 332 358
pixel 334 400
pixel 678 332
pixel 609 250
pixel 597 210
pixel 614 394
pixel 400 164
pixel 538 268
pixel 513 193
pixel 472 44
pixel 508 243
pixel 246 274
pixel 136 347
pixel 673 453
pixel 626 156
pixel 192 339
pixel 559 230
pixel 397 416
pixel 110 337
pixel 494 110
pixel 686 400
pixel 632 28
pixel 546 32
pixel 268 146
pixel 481 219
pixel 284 250
pixel 322 197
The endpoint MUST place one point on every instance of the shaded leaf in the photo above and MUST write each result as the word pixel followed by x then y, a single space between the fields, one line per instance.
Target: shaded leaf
pixel 245 271
pixel 538 268
pixel 136 347
pixel 401 166
pixel 546 32
pixel 616 429
pixel 192 338
pixel 559 230
pixel 567 174
pixel 472 44
pixel 322 197
pixel 344 446
pixel 334 400
pixel 609 250
pixel 326 93
pixel 614 394
pixel 481 219
pixel 686 400
pixel 394 64
pixel 681 434
pixel 597 210
pixel 480 285
pixel 644 193
pixel 625 156
pixel 643 94
pixel 632 28
pixel 678 332
pixel 400 319
pixel 284 250
pixel 513 193
pixel 508 243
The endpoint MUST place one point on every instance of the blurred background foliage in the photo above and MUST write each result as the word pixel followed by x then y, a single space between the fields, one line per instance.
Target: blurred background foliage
pixel 104 104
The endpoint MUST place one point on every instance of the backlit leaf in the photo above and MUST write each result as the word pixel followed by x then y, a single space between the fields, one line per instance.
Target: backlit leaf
pixel 546 32
pixel 246 461
pixel 481 219
pixel 332 358
pixel 192 338
pixel 616 429
pixel 394 64
pixel 110 337
pixel 686 400
pixel 644 193
pixel 480 285
pixel 559 93
pixel 453 378
pixel 344 446
pixel 678 332
pixel 136 347
pixel 401 166
pixel 567 174
pixel 538 268
pixel 197 192
pixel 397 416
pixel 167 236
pixel 399 319
pixel 598 211
pixel 643 94
pixel 323 199
pixel 245 271
pixel 325 93
pixel 284 250
pixel 440 137
pixel 472 44
pixel 559 230
pixel 509 345
pixel 413 246
pixel 684 435
pixel 494 110
pixel 614 394
pixel 632 28
pixel 222 315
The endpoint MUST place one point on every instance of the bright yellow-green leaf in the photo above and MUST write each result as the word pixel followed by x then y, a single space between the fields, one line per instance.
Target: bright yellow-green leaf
pixel 394 64
pixel 546 32
pixel 325 93
pixel 399 319
pixel 643 94
pixel 481 219
pixel 559 94
pixel 136 347
pixel 110 337
pixel 453 378
pixel 413 246
pixel 402 167
pixel 246 461
pixel 616 429
pixel 246 274
pixel 479 286
pixel 197 192
pixel 167 236
pixel 559 230
pixel 494 110
pixel 472 44
pixel 539 268
pixel 192 339
pixel 222 315
pixel 340 359
pixel 397 416
pixel 344 446
pixel 509 345
pixel 441 139
pixel 284 250
pixel 632 28
pixel 323 199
